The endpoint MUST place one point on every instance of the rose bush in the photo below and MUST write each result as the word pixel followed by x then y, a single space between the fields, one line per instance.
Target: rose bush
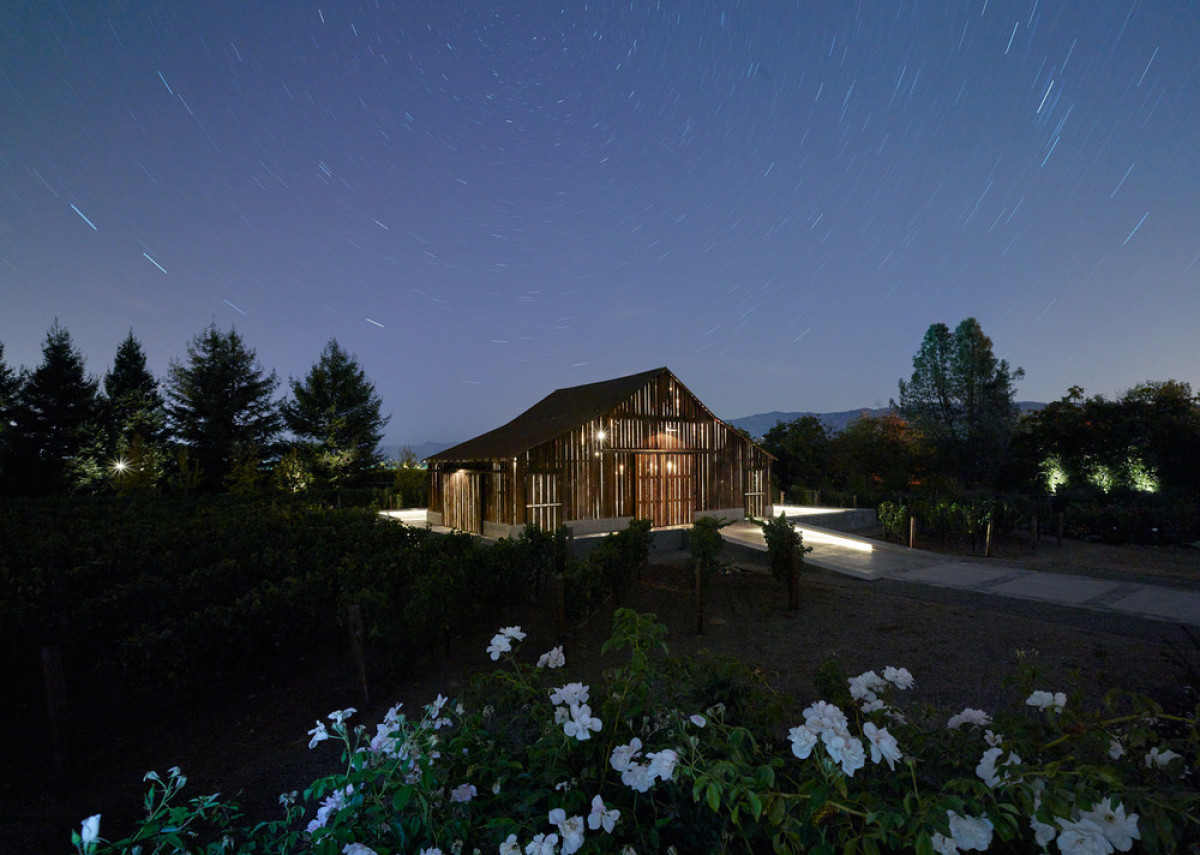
pixel 649 761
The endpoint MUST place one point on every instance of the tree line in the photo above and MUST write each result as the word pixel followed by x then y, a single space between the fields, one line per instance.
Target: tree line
pixel 214 423
pixel 956 428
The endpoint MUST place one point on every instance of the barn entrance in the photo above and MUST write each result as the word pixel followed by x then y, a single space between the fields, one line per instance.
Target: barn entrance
pixel 464 509
pixel 665 488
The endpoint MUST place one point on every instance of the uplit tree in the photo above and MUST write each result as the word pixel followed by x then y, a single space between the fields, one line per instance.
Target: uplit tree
pixel 1166 415
pixel 335 412
pixel 135 419
pixel 960 397
pixel 57 419
pixel 1143 441
pixel 219 403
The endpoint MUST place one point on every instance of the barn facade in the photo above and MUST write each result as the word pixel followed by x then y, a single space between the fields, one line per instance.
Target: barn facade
pixel 594 457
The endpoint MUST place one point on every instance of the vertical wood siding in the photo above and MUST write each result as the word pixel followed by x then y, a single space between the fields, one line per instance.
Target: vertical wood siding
pixel 659 455
pixel 543 505
pixel 464 501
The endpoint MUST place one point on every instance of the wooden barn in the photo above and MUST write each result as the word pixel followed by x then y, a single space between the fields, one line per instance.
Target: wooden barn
pixel 593 457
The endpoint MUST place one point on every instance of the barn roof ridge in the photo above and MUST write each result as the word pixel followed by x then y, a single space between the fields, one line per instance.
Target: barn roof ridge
pixel 552 416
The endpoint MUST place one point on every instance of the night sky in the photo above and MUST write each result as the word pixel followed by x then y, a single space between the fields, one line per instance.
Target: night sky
pixel 488 201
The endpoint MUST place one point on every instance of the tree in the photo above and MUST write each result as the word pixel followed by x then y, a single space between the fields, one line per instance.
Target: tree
pixel 1143 441
pixel 57 417
pixel 135 419
pixel 10 388
pixel 139 468
pixel 876 453
pixel 336 411
pixel 220 402
pixel 960 397
pixel 133 405
pixel 1165 417
pixel 801 451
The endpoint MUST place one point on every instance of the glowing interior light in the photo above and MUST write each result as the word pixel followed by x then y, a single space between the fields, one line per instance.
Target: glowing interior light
pixel 601 435
pixel 811 536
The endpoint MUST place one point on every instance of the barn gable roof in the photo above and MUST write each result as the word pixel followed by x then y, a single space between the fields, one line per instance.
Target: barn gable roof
pixel 554 415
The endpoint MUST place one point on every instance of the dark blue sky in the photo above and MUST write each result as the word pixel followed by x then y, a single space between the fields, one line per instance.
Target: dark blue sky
pixel 488 201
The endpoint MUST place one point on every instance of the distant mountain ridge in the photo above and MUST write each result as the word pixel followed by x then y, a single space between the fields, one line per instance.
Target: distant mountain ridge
pixel 758 424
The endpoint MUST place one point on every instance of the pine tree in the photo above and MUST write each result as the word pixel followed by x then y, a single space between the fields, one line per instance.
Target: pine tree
pixel 10 388
pixel 133 405
pixel 220 401
pixel 961 398
pixel 57 418
pixel 336 411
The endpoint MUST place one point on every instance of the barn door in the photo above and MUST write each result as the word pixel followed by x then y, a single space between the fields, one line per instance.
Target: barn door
pixel 665 488
pixel 464 501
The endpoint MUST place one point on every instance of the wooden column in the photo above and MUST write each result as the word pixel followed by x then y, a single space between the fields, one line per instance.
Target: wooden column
pixel 518 512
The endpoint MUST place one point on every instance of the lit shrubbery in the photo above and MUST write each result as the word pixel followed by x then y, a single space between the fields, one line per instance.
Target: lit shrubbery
pixel 531 762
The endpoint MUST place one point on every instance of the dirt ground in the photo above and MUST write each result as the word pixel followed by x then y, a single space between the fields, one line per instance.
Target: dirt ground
pixel 249 741
pixel 1163 565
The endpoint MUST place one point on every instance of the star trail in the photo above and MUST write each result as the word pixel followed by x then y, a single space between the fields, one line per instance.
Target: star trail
pixel 488 201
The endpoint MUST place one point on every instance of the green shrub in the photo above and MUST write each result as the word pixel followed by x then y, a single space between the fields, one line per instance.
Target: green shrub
pixel 697 756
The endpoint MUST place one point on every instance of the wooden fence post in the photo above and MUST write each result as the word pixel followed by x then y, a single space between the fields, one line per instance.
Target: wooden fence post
pixel 987 545
pixel 912 532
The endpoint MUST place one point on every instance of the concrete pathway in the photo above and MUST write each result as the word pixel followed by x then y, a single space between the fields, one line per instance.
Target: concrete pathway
pixel 869 559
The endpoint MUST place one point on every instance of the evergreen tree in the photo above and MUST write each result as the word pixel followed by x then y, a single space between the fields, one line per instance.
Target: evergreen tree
pixel 10 388
pixel 58 419
pixel 133 405
pixel 336 412
pixel 961 398
pixel 219 402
